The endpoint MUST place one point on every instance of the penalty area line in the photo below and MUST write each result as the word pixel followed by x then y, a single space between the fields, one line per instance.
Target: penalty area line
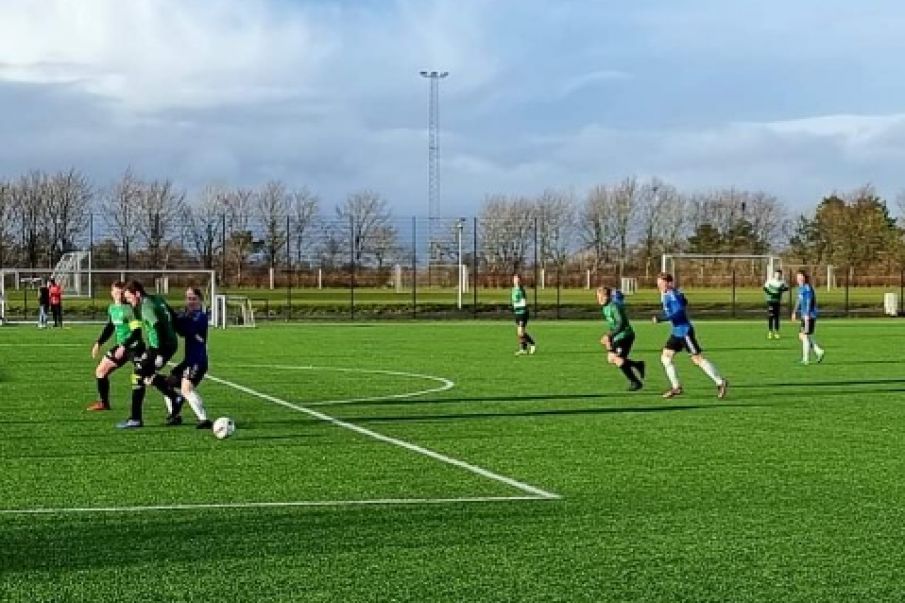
pixel 388 502
pixel 527 488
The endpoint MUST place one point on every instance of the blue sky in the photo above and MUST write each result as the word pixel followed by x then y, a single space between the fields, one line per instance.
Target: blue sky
pixel 798 99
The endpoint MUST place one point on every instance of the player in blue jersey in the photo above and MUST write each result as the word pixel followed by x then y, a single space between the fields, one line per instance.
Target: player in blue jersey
pixel 806 307
pixel 187 375
pixel 682 337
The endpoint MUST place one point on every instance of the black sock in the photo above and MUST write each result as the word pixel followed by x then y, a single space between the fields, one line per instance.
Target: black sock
pixel 528 338
pixel 138 398
pixel 103 390
pixel 627 371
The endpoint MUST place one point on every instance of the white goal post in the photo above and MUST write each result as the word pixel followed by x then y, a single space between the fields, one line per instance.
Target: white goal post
pixel 23 283
pixel 771 262
pixel 233 311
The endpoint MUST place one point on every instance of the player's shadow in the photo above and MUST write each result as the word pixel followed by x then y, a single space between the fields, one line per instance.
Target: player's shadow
pixel 543 413
pixel 810 384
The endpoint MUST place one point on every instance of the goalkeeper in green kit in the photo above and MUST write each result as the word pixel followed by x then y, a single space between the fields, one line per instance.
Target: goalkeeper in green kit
pixel 773 290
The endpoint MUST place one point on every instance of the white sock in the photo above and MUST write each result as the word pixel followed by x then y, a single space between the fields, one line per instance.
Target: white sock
pixel 711 371
pixel 806 348
pixel 817 349
pixel 197 405
pixel 169 403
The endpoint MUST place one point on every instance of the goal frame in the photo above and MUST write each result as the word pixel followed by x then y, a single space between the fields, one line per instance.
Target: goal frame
pixel 123 275
pixel 668 260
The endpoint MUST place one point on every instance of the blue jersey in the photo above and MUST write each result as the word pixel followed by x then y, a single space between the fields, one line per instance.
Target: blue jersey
pixel 807 301
pixel 618 297
pixel 674 304
pixel 193 326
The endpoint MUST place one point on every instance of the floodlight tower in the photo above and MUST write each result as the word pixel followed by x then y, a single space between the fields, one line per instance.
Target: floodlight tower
pixel 433 151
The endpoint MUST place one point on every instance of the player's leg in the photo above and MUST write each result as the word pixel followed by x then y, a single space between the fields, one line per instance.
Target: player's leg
pixel 697 356
pixel 143 368
pixel 818 351
pixel 776 312
pixel 666 359
pixel 190 382
pixel 620 353
pixel 805 338
pixel 520 333
pixel 532 347
pixel 102 373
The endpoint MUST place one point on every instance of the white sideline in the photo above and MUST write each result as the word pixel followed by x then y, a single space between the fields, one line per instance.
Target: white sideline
pixel 272 505
pixel 394 441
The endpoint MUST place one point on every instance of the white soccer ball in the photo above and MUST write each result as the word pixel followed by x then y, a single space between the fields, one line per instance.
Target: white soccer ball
pixel 224 427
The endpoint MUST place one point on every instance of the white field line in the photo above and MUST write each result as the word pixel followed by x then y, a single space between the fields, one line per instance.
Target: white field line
pixel 271 505
pixel 445 383
pixel 529 489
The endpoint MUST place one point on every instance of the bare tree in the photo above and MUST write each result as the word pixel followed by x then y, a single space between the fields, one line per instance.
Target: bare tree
pixel 624 203
pixel 29 196
pixel 6 222
pixel 238 206
pixel 597 229
pixel 272 204
pixel 160 209
pixel 385 245
pixel 204 223
pixel 555 212
pixel 305 207
pixel 69 197
pixel 661 221
pixel 364 212
pixel 506 225
pixel 120 207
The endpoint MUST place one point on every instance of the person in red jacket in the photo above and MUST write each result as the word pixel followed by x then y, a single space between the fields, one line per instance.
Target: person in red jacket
pixel 56 303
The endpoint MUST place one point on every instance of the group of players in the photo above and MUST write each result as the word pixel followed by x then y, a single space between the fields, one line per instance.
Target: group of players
pixel 145 331
pixel 620 336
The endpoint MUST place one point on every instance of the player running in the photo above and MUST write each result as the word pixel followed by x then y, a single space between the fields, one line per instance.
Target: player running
pixel 192 325
pixel 806 306
pixel 520 310
pixel 681 338
pixel 157 323
pixel 619 338
pixel 121 323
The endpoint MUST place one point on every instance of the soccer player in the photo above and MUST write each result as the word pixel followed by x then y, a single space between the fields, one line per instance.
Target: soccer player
pixel 192 325
pixel 56 303
pixel 806 306
pixel 619 338
pixel 681 338
pixel 157 323
pixel 520 310
pixel 43 304
pixel 121 323
pixel 773 290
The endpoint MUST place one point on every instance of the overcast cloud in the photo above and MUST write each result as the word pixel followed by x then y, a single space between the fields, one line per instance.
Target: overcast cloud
pixel 797 99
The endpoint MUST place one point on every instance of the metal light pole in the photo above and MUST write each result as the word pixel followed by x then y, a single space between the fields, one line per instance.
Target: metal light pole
pixel 459 244
pixel 433 158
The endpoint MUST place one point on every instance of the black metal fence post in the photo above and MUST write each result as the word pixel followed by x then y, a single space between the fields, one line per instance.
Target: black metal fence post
pixel 288 270
pixel 535 265
pixel 352 242
pixel 474 269
pixel 733 292
pixel 414 267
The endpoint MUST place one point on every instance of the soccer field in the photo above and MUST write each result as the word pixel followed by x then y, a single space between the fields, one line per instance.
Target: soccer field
pixel 425 462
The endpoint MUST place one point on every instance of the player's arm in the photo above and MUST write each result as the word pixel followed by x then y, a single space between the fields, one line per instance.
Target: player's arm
pixel 106 333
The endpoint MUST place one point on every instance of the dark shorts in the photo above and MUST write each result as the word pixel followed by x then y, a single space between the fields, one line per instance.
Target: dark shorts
pixel 130 355
pixel 193 372
pixel 809 329
pixel 688 343
pixel 623 347
pixel 521 319
pixel 152 360
pixel 773 309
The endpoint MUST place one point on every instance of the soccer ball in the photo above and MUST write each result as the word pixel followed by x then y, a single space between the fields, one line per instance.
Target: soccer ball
pixel 223 428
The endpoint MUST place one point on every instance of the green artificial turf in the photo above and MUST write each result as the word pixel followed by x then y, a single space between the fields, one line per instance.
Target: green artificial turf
pixel 535 478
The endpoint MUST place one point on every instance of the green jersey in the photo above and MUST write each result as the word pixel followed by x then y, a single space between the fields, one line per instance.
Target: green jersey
pixel 123 320
pixel 157 322
pixel 773 290
pixel 519 300
pixel 617 321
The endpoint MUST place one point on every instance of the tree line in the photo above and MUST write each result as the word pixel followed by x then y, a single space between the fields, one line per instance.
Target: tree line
pixel 621 227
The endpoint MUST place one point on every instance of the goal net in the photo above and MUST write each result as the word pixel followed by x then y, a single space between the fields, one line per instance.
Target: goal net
pixel 19 291
pixel 233 311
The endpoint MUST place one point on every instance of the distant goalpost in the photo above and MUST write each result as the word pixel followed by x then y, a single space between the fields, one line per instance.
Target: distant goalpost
pixel 771 263
pixel 23 283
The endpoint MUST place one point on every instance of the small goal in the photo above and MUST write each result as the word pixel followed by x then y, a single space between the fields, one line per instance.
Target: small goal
pixel 233 311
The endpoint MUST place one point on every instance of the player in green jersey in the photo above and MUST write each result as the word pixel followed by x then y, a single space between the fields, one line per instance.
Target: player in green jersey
pixel 157 323
pixel 619 338
pixel 520 310
pixel 120 324
pixel 773 290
